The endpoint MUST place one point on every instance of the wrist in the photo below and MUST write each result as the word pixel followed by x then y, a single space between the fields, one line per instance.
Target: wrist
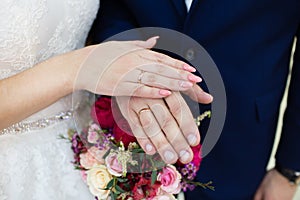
pixel 291 175
pixel 77 78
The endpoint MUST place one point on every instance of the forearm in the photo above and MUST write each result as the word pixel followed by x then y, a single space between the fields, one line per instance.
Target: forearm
pixel 36 88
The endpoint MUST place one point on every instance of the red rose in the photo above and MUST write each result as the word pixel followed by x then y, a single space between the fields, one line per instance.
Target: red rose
pixel 196 159
pixel 144 190
pixel 122 132
pixel 101 113
pixel 197 155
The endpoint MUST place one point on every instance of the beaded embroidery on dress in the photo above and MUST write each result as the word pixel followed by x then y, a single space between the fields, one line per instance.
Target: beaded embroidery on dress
pixel 34 162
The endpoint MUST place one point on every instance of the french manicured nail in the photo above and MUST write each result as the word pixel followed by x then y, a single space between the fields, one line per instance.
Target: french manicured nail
pixel 169 156
pixel 184 155
pixel 185 84
pixel 194 78
pixel 149 147
pixel 189 68
pixel 165 92
pixel 192 139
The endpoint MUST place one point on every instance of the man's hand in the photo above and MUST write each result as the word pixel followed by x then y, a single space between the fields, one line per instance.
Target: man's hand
pixel 165 126
pixel 275 187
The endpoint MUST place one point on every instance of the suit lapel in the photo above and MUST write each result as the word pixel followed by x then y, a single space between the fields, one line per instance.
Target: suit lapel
pixel 193 9
pixel 195 3
pixel 180 7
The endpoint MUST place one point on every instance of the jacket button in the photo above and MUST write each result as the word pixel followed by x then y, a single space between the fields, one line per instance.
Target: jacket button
pixel 190 55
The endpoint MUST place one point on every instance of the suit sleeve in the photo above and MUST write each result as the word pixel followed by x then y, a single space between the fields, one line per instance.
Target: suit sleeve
pixel 113 17
pixel 288 153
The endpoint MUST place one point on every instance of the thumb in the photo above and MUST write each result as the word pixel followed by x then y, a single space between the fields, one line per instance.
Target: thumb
pixel 148 44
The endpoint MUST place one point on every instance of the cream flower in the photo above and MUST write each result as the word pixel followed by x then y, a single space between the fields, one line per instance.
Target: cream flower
pixel 97 179
pixel 164 197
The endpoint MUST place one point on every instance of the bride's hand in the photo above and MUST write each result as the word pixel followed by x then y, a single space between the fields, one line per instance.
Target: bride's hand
pixel 112 68
pixel 131 69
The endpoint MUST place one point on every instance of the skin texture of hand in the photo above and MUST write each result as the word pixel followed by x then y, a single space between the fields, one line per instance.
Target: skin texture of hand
pixel 275 187
pixel 165 125
pixel 131 69
pixel 112 68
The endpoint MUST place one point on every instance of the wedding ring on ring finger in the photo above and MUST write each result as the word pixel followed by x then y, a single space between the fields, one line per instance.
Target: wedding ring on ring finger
pixel 140 77
pixel 143 110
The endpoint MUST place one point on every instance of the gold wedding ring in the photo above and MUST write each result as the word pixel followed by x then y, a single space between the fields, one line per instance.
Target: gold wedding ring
pixel 140 77
pixel 143 110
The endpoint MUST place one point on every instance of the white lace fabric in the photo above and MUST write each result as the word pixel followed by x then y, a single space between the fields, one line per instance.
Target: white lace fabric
pixel 36 164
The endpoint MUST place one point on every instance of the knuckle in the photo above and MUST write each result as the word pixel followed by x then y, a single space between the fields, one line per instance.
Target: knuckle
pixel 146 121
pixel 160 57
pixel 153 92
pixel 176 109
pixel 176 138
pixel 161 69
pixel 178 64
pixel 184 74
pixel 166 126
pixel 140 90
pixel 167 123
pixel 150 78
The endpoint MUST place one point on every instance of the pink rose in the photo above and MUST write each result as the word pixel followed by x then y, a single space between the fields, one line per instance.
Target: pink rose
pixel 92 157
pixel 93 135
pixel 113 165
pixel 170 180
pixel 102 113
pixel 98 154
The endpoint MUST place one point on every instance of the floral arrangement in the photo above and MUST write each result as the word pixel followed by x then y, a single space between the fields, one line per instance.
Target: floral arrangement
pixel 114 166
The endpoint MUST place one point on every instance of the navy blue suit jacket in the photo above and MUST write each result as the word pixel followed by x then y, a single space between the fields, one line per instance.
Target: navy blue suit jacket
pixel 250 42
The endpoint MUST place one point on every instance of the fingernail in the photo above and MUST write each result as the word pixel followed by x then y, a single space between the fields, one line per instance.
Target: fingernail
pixel 165 92
pixel 149 147
pixel 185 84
pixel 169 156
pixel 184 155
pixel 194 78
pixel 189 68
pixel 192 139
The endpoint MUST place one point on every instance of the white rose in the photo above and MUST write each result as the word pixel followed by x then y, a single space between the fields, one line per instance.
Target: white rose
pixel 164 197
pixel 97 179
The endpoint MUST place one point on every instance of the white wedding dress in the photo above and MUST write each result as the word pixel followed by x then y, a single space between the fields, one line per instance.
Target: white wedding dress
pixel 34 163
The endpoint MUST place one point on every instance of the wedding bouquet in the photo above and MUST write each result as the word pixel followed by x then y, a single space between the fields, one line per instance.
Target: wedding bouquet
pixel 114 166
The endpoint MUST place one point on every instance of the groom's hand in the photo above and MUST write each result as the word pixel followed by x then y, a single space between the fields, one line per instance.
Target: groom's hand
pixel 275 187
pixel 165 126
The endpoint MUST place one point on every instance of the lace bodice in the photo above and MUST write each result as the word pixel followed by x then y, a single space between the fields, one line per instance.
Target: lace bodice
pixel 32 31
pixel 37 165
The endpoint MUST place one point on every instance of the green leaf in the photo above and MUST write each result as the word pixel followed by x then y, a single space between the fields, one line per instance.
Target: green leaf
pixel 138 151
pixel 153 177
pixel 127 186
pixel 110 183
pixel 119 189
pixel 113 196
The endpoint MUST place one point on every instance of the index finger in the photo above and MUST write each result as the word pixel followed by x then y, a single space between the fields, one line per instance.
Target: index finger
pixel 167 60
